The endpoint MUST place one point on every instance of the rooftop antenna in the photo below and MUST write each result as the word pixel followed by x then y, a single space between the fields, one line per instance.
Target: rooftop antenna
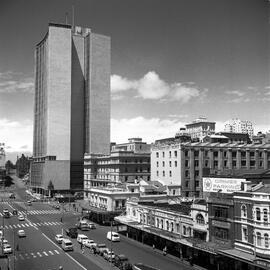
pixel 66 15
pixel 73 22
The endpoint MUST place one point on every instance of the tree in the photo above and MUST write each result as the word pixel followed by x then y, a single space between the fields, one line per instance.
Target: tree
pixel 9 166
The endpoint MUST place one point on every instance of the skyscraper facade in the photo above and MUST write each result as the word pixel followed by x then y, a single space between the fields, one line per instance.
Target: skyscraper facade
pixel 239 126
pixel 72 105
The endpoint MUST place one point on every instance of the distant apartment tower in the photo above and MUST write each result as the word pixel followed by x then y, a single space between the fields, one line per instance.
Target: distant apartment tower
pixel 239 126
pixel 2 156
pixel 200 128
pixel 72 105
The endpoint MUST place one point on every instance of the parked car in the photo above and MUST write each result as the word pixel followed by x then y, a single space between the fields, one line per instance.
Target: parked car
pixel 12 196
pixel 83 225
pixel 100 248
pixel 67 245
pixel 140 266
pixel 108 255
pixel 90 243
pixel 113 236
pixel 81 238
pixel 29 203
pixel 72 232
pixel 3 241
pixel 92 226
pixel 21 233
pixel 122 262
pixel 21 218
pixel 59 238
pixel 7 249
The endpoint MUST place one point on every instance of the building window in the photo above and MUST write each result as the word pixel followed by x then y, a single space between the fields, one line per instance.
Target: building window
pixel 175 153
pixel 197 183
pixel 266 240
pixel 225 154
pixel 170 154
pixel 186 173
pixel 157 173
pixel 200 219
pixel 206 163
pixel 157 154
pixel 186 163
pixel 244 234
pixel 187 184
pixel 170 173
pixel 252 163
pixel 265 215
pixel 196 163
pixel 215 163
pixel 157 164
pixel 161 223
pixel 259 239
pixel 234 163
pixel 215 153
pixel 184 230
pixel 196 153
pixel 258 214
pixel 175 164
pixel 163 173
pixel 234 154
pixel 243 211
pixel 170 163
pixel 163 163
pixel 220 212
pixel 197 173
pixel 167 225
pixel 177 227
pixel 163 154
pixel 221 233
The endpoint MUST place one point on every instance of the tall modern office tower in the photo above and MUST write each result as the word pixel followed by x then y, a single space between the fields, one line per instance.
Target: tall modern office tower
pixel 72 105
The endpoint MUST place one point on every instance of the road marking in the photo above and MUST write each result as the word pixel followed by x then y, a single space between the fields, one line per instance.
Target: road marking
pixel 45 253
pixel 6 226
pixel 39 254
pixel 56 251
pixel 26 225
pixel 76 261
pixel 22 225
pixel 10 227
pixel 38 224
pixel 51 252
pixel 19 226
pixel 15 226
pixel 34 256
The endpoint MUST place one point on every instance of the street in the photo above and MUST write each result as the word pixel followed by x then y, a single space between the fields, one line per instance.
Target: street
pixel 38 250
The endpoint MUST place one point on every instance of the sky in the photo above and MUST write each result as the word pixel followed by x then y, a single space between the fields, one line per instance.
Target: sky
pixel 171 62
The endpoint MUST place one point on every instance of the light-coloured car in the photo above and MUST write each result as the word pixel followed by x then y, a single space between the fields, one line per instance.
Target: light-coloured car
pixel 81 238
pixel 21 233
pixel 21 218
pixel 7 249
pixel 67 245
pixel 59 238
pixel 113 236
pixel 4 241
pixel 90 243
pixel 108 255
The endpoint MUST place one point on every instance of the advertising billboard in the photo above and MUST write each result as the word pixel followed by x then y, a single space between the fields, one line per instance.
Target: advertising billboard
pixel 224 185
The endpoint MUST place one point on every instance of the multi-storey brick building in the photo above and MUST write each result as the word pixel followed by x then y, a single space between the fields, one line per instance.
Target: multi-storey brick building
pixel 185 163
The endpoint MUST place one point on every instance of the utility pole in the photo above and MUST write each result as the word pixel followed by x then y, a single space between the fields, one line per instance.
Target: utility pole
pixel 111 247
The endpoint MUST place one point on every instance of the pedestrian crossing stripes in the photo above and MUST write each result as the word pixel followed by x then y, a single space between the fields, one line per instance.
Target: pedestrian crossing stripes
pixel 37 212
pixel 35 255
pixel 31 224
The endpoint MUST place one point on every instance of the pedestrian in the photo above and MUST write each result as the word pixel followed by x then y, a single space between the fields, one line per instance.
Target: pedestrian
pixel 61 219
pixel 81 245
pixel 153 246
pixel 165 251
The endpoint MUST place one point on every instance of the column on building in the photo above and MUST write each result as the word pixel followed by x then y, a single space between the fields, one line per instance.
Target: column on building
pixel 182 166
pixel 220 160
pixel 247 159
pixel 238 159
pixel 257 158
pixel 230 158
pixel 211 156
pixel 265 159
pixel 192 171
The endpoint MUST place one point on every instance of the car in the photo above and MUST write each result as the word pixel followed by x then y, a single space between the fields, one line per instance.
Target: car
pixel 108 255
pixel 72 232
pixel 81 238
pixel 100 248
pixel 90 243
pixel 67 245
pixel 7 249
pixel 113 236
pixel 12 196
pixel 57 206
pixel 122 262
pixel 58 238
pixel 83 225
pixel 21 218
pixel 29 203
pixel 21 233
pixel 3 241
pixel 91 226
pixel 6 213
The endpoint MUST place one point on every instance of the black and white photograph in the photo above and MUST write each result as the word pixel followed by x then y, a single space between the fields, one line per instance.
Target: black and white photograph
pixel 134 135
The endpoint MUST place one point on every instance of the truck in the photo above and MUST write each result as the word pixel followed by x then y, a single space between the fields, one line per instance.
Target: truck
pixel 72 232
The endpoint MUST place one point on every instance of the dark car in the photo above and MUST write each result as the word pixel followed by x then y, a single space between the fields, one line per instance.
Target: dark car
pixel 12 196
pixel 72 232
pixel 122 262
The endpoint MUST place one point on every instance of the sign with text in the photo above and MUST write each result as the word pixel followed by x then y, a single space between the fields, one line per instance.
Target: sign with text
pixel 224 185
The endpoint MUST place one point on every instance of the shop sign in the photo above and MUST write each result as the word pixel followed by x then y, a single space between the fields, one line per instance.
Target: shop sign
pixel 262 263
pixel 224 185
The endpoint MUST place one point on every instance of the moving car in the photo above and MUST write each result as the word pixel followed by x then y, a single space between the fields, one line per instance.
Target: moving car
pixel 122 262
pixel 7 249
pixel 6 213
pixel 108 255
pixel 72 232
pixel 90 243
pixel 58 238
pixel 67 245
pixel 100 248
pixel 83 225
pixel 81 238
pixel 113 236
pixel 91 226
pixel 21 233
pixel 21 218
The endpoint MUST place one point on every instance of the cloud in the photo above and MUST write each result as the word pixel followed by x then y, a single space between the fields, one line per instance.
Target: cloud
pixel 235 92
pixel 151 86
pixel 239 100
pixel 12 82
pixel 17 136
pixel 148 129
pixel 178 115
